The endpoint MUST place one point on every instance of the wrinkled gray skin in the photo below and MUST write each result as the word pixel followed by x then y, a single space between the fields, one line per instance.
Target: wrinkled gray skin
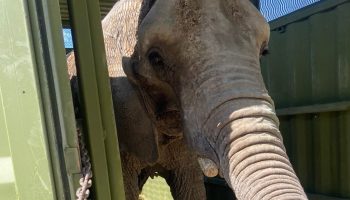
pixel 147 149
pixel 196 68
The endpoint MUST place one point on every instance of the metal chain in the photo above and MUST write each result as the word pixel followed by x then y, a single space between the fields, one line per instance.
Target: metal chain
pixel 85 182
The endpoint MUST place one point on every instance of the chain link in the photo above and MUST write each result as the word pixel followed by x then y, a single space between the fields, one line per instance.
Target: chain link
pixel 85 182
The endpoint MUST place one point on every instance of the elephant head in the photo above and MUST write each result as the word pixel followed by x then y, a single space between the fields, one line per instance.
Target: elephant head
pixel 196 65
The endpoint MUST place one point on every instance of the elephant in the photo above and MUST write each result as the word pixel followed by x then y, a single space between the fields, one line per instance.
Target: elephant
pixel 147 149
pixel 194 66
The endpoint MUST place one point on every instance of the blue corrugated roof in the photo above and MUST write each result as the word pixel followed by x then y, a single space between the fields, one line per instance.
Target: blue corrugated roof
pixel 68 41
pixel 273 9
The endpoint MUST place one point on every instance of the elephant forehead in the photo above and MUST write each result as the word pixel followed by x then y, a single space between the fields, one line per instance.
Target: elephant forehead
pixel 195 19
pixel 191 13
pixel 187 14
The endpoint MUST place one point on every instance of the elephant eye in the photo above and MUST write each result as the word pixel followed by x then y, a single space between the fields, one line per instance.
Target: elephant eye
pixel 264 51
pixel 151 3
pixel 156 59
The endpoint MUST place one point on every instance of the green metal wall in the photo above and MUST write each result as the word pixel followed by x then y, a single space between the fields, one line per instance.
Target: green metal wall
pixel 39 156
pixel 25 160
pixel 308 76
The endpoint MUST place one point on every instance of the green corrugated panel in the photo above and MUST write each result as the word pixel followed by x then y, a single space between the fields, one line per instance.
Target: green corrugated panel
pixel 343 50
pixel 344 152
pixel 298 63
pixel 285 130
pixel 310 57
pixel 323 56
pixel 274 88
pixel 302 149
pixel 310 64
pixel 325 156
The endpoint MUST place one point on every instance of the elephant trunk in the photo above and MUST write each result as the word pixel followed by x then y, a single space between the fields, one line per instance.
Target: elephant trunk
pixel 238 128
pixel 252 156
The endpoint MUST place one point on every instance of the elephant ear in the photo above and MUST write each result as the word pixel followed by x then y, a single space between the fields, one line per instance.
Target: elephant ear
pixel 158 99
pixel 128 68
pixel 136 133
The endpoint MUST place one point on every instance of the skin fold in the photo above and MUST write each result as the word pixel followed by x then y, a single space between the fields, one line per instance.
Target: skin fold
pixel 193 70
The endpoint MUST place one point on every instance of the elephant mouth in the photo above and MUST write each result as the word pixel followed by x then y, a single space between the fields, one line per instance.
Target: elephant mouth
pixel 169 124
pixel 165 140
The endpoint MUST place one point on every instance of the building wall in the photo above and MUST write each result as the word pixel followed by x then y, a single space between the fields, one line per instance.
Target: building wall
pixel 308 76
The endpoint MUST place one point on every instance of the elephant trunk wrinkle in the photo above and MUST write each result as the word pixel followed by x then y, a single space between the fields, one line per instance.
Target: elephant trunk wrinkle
pixel 257 113
pixel 254 158
pixel 230 101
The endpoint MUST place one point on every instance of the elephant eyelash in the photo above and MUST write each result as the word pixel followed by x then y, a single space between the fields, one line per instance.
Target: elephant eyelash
pixel 265 52
pixel 162 68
